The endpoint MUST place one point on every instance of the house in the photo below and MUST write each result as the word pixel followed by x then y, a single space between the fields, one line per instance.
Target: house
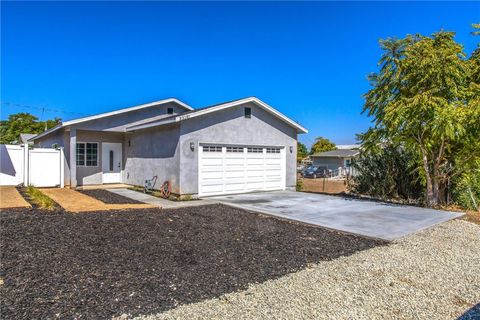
pixel 234 147
pixel 340 159
pixel 348 146
pixel 24 138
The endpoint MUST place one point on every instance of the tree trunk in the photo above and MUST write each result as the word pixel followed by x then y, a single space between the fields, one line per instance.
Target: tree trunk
pixel 435 186
pixel 435 191
pixel 429 192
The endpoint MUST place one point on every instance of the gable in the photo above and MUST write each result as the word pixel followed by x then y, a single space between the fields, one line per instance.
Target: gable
pixel 217 108
pixel 231 124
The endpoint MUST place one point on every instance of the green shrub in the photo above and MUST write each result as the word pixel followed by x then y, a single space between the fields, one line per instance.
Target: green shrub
pixel 299 185
pixel 466 190
pixel 387 173
pixel 40 199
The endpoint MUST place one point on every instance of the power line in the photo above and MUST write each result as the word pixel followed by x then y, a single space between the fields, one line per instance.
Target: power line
pixel 43 109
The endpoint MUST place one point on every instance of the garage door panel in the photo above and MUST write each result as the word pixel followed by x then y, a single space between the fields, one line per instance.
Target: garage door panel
pixel 255 161
pixel 211 161
pixel 214 188
pixel 209 175
pixel 274 184
pixel 237 172
pixel 258 185
pixel 274 170
pixel 273 162
pixel 232 174
pixel 234 186
pixel 257 173
pixel 234 161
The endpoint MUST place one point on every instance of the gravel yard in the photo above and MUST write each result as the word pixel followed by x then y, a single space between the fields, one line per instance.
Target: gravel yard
pixel 97 265
pixel 434 274
pixel 108 197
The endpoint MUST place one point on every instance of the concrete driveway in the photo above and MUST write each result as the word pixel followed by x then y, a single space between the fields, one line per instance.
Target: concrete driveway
pixel 368 218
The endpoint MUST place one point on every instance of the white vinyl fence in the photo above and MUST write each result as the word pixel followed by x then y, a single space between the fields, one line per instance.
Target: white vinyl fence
pixel 39 167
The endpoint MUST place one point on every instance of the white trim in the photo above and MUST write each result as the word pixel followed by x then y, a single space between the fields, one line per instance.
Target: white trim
pixel 120 174
pixel 111 113
pixel 85 156
pixel 221 107
pixel 62 168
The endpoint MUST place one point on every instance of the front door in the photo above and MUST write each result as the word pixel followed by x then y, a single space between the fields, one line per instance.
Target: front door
pixel 112 162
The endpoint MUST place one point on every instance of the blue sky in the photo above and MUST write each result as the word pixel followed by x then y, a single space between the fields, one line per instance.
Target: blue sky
pixel 309 60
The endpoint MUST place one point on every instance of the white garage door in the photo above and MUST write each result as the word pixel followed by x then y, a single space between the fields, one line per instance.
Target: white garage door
pixel 238 169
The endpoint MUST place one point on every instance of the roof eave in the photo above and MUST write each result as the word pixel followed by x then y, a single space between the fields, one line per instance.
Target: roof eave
pixel 300 129
pixel 111 113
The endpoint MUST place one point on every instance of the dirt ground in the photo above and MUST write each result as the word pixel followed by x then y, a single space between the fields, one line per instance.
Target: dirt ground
pixel 10 198
pixel 323 185
pixel 97 265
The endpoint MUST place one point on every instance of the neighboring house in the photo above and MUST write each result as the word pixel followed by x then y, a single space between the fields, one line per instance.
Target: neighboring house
pixel 24 138
pixel 239 146
pixel 335 159
pixel 348 146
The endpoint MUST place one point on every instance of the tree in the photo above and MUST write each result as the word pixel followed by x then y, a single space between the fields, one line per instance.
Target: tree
pixel 23 122
pixel 321 145
pixel 387 172
pixel 425 98
pixel 302 151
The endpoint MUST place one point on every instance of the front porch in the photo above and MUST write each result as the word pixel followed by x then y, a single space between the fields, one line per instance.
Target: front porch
pixel 95 158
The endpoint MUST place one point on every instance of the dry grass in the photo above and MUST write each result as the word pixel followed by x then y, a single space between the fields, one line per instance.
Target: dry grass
pixel 470 215
pixel 323 185
pixel 40 199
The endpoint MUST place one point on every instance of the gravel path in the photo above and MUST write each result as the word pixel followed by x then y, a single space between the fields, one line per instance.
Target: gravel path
pixel 434 274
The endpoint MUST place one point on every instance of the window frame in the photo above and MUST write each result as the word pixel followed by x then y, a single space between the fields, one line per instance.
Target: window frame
pixel 85 154
pixel 212 149
pixel 275 150
pixel 247 112
pixel 258 150
pixel 168 110
pixel 234 149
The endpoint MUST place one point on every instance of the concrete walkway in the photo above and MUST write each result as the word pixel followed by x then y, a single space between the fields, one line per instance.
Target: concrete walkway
pixel 74 201
pixel 369 218
pixel 159 202
pixel 10 198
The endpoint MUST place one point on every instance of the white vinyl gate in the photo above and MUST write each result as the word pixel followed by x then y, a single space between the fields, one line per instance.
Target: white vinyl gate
pixel 39 167
pixel 240 169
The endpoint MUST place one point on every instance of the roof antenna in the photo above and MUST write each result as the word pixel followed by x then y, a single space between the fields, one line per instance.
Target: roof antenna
pixel 41 117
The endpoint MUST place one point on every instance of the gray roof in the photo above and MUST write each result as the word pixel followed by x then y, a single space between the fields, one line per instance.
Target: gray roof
pixel 340 153
pixel 24 137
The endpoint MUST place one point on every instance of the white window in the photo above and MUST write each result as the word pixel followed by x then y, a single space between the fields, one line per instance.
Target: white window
pixel 212 149
pixel 234 149
pixel 273 150
pixel 255 150
pixel 87 154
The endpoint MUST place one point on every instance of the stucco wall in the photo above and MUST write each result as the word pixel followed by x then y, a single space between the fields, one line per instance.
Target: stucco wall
pixel 231 127
pixel 328 162
pixel 153 152
pixel 109 129
pixel 93 175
